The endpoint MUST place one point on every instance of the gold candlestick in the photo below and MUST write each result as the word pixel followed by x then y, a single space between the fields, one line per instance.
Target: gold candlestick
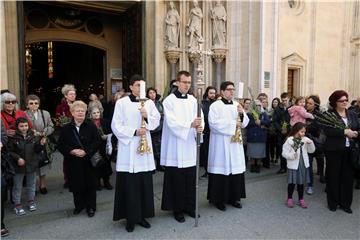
pixel 237 137
pixel 143 145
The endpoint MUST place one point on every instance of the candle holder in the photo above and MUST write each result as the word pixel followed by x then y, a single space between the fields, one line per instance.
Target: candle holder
pixel 237 137
pixel 143 144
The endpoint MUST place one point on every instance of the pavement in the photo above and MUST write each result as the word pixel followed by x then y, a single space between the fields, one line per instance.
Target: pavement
pixel 264 215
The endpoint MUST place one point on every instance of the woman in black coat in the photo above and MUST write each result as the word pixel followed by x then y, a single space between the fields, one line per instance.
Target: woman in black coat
pixel 338 145
pixel 78 142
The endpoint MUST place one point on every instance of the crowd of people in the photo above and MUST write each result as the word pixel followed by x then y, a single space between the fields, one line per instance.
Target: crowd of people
pixel 234 136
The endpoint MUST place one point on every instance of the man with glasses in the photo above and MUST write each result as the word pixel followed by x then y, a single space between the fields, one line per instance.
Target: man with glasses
pixel 178 149
pixel 226 158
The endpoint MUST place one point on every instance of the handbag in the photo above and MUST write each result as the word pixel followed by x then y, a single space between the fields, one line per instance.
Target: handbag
pixel 43 159
pixel 51 138
pixel 96 159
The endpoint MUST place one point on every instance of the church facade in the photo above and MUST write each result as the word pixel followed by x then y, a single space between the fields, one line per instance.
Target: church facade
pixel 296 46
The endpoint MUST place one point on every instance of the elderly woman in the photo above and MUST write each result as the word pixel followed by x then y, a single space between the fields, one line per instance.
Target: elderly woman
pixel 104 171
pixel 78 142
pixel 94 102
pixel 9 113
pixel 42 127
pixel 338 145
pixel 63 116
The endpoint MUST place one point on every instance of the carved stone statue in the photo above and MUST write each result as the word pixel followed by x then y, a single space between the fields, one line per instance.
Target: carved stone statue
pixel 172 21
pixel 218 15
pixel 193 28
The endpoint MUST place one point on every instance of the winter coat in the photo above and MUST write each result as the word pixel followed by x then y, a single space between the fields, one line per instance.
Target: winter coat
pixel 27 148
pixel 288 152
pixel 9 119
pixel 280 116
pixel 298 114
pixel 255 133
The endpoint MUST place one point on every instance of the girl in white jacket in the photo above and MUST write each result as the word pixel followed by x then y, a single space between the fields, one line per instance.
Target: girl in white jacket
pixel 295 150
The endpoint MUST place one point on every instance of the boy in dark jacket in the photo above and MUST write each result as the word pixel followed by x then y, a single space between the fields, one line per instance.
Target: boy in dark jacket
pixel 24 148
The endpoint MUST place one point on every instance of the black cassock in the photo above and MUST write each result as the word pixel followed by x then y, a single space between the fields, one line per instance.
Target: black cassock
pixel 134 196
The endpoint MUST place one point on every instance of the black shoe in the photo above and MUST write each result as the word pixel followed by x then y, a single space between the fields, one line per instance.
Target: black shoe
pixel 130 227
pixel 333 209
pixel 4 232
pixel 236 204
pixel 66 185
pixel 90 212
pixel 179 217
pixel 77 211
pixel 191 214
pixel 107 185
pixel 220 206
pixel 281 171
pixel 347 210
pixel 144 223
pixel 43 190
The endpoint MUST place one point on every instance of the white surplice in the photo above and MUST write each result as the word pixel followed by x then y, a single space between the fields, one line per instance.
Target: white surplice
pixel 225 157
pixel 178 142
pixel 126 120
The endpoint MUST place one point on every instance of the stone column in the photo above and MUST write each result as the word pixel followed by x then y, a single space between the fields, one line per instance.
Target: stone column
pixel 218 55
pixel 3 65
pixel 172 56
pixel 194 58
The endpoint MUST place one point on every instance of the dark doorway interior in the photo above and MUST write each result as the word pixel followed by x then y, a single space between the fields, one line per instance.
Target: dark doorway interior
pixel 73 63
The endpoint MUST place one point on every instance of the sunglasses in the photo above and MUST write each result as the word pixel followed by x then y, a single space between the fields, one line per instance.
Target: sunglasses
pixel 342 101
pixel 33 103
pixel 10 102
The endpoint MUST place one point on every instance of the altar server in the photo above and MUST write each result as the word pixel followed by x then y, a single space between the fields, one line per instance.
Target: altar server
pixel 134 195
pixel 226 165
pixel 178 149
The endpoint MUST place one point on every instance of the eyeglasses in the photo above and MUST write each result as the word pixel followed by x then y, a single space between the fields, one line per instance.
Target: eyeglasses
pixel 342 101
pixel 33 103
pixel 230 89
pixel 10 102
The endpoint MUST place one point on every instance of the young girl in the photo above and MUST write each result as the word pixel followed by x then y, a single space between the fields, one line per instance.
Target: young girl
pixel 24 148
pixel 295 150
pixel 298 112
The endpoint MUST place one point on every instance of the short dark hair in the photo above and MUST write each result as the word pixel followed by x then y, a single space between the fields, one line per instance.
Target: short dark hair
pixel 21 120
pixel 316 100
pixel 182 72
pixel 272 102
pixel 207 91
pixel 224 85
pixel 296 128
pixel 134 78
pixel 284 95
pixel 247 99
pixel 150 89
pixel 336 96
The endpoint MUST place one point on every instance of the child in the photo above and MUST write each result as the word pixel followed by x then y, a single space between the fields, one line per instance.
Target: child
pixel 298 112
pixel 24 148
pixel 295 150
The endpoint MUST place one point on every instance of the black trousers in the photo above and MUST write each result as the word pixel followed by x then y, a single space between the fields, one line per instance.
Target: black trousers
pixel 179 189
pixel 204 151
pixel 339 178
pixel 280 141
pixel 3 193
pixel 85 199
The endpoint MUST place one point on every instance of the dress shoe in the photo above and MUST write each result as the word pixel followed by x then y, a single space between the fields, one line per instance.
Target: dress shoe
pixel 107 185
pixel 220 206
pixel 333 209
pixel 236 204
pixel 191 214
pixel 43 190
pixel 77 211
pixel 347 210
pixel 144 223
pixel 130 227
pixel 281 171
pixel 90 212
pixel 179 217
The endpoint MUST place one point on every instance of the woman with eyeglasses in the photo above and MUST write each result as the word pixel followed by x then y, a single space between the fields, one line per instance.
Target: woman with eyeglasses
pixel 338 145
pixel 9 113
pixel 42 127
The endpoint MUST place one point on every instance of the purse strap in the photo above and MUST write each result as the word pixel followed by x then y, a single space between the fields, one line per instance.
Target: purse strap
pixel 78 140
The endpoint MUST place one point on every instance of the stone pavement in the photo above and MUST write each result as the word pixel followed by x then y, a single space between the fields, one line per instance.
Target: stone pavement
pixel 264 215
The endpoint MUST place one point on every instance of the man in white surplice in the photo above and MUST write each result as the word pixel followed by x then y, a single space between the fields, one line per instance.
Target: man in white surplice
pixel 134 196
pixel 226 163
pixel 178 149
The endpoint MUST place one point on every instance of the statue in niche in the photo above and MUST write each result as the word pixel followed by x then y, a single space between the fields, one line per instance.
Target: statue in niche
pixel 172 21
pixel 193 28
pixel 218 15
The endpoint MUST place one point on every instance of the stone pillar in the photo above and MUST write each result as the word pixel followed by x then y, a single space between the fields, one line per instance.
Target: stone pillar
pixel 172 56
pixel 218 55
pixel 3 65
pixel 194 58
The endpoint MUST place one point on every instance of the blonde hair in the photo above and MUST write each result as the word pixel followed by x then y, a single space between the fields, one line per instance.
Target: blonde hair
pixel 78 104
pixel 67 88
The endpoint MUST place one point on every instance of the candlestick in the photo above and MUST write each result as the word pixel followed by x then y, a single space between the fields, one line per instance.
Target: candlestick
pixel 142 90
pixel 241 90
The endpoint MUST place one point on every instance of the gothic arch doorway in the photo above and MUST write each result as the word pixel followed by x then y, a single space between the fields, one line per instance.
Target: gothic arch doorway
pixel 48 69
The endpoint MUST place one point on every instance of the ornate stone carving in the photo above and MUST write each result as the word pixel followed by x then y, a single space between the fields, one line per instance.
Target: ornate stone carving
pixel 218 16
pixel 219 54
pixel 193 27
pixel 172 56
pixel 172 21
